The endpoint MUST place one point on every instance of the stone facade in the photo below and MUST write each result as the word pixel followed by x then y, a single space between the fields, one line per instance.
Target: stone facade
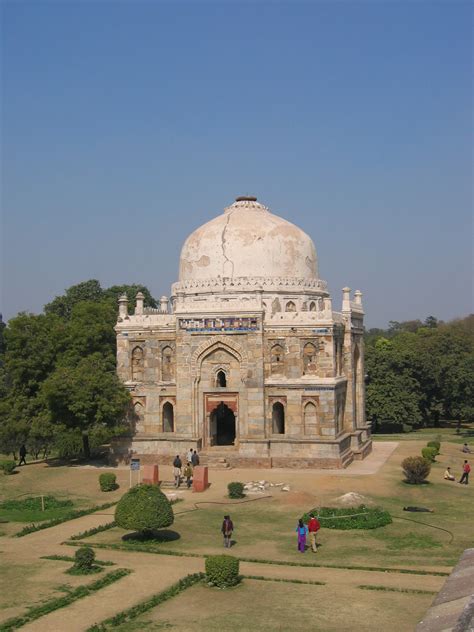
pixel 259 368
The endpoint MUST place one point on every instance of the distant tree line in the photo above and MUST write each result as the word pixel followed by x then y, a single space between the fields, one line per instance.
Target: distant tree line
pixel 58 384
pixel 420 373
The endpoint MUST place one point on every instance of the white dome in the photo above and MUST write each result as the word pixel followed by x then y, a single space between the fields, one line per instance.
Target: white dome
pixel 247 241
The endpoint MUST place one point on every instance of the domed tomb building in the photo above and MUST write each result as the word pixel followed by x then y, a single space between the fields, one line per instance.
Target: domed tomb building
pixel 247 361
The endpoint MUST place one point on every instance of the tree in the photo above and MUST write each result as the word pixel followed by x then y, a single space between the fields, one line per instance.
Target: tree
pixel 12 436
pixel 63 305
pixel 86 397
pixel 131 291
pixel 41 436
pixel 144 508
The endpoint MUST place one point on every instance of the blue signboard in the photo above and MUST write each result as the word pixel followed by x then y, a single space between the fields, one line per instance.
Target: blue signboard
pixel 135 464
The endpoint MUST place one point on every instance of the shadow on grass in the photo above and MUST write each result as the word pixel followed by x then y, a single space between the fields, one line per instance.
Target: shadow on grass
pixel 152 537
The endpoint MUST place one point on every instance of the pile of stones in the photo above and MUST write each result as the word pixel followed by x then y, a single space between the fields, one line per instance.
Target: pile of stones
pixel 260 487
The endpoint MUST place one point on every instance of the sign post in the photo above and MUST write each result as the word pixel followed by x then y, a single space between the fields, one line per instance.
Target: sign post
pixel 134 467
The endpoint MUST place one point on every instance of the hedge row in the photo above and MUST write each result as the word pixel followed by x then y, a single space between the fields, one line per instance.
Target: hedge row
pixel 93 531
pixel 71 515
pixel 54 604
pixel 135 611
pixel 344 518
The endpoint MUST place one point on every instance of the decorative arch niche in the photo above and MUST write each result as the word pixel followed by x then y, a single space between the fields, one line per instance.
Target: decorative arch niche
pixel 167 364
pixel 277 354
pixel 221 379
pixel 310 418
pixel 310 359
pixel 290 307
pixel 137 364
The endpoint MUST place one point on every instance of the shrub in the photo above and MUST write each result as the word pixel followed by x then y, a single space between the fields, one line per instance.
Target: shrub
pixel 236 490
pixel 84 558
pixel 144 508
pixel 8 467
pixel 344 518
pixel 416 469
pixel 108 482
pixel 222 570
pixel 434 444
pixel 429 454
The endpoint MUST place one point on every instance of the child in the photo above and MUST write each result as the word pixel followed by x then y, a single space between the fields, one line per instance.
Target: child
pixel 448 476
pixel 227 529
pixel 302 530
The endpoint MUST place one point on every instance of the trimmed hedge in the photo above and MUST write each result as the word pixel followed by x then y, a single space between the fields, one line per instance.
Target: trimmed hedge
pixel 416 469
pixel 434 444
pixel 429 454
pixel 7 467
pixel 236 490
pixel 72 515
pixel 54 604
pixel 135 611
pixel 222 570
pixel 345 518
pixel 108 482
pixel 144 508
pixel 93 531
pixel 84 558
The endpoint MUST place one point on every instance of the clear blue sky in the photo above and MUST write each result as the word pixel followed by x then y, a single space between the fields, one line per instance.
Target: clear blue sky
pixel 128 124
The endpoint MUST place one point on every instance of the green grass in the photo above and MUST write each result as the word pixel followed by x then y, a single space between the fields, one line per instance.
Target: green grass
pixel 30 509
pixel 413 591
pixel 345 518
pixel 70 515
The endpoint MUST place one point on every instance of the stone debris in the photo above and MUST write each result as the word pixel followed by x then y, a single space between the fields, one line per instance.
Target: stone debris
pixel 352 499
pixel 260 487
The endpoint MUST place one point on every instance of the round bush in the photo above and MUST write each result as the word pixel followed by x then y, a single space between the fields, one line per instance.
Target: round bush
pixel 108 482
pixel 236 490
pixel 434 444
pixel 416 469
pixel 84 558
pixel 429 454
pixel 345 518
pixel 8 467
pixel 222 570
pixel 144 508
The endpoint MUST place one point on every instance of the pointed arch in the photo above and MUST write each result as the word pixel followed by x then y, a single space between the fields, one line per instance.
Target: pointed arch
pixel 310 419
pixel 290 307
pixel 221 379
pixel 278 418
pixel 310 359
pixel 277 354
pixel 167 364
pixel 219 342
pixel 312 306
pixel 137 364
pixel 168 417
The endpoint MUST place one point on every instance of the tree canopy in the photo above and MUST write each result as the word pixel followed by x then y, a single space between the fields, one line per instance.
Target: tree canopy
pixel 58 382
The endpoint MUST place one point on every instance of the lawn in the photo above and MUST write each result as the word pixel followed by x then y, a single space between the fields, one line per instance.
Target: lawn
pixel 264 529
pixel 281 607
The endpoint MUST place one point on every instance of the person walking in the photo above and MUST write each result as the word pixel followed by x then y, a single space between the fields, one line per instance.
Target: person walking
pixel 301 530
pixel 177 465
pixel 313 527
pixel 195 458
pixel 22 455
pixel 227 529
pixel 448 476
pixel 465 473
pixel 188 474
pixel 189 456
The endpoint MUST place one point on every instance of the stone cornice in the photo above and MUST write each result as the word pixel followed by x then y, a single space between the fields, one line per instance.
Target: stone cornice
pixel 245 284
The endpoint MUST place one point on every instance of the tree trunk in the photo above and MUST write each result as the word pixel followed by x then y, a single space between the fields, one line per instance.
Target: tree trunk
pixel 86 447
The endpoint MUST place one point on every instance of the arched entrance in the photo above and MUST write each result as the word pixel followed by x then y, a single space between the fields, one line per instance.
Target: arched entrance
pixel 222 421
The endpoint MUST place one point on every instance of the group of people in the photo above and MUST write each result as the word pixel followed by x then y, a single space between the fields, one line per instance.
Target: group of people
pixel 302 531
pixel 192 459
pixel 465 474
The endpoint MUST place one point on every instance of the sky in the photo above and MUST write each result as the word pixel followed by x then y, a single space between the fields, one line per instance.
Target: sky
pixel 126 125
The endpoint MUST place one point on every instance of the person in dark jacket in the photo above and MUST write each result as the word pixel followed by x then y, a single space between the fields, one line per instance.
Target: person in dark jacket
pixel 195 459
pixel 22 455
pixel 177 465
pixel 227 529
pixel 188 474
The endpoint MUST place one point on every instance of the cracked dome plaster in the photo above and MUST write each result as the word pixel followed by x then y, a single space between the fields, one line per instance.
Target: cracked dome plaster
pixel 247 240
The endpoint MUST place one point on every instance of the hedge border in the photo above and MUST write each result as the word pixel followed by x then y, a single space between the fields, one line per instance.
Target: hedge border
pixel 55 604
pixel 88 532
pixel 68 558
pixel 143 549
pixel 286 581
pixel 72 515
pixel 132 613
pixel 414 591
